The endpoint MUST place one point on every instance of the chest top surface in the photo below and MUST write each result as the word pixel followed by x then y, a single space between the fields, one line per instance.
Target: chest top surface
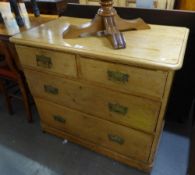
pixel 159 47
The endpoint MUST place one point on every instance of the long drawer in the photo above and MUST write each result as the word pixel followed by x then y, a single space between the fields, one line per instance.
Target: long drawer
pixel 124 78
pixel 47 60
pixel 118 138
pixel 132 111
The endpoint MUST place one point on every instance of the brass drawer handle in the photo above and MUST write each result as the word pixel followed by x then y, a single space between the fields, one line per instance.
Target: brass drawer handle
pixel 51 90
pixel 115 138
pixel 43 61
pixel 59 118
pixel 117 108
pixel 116 76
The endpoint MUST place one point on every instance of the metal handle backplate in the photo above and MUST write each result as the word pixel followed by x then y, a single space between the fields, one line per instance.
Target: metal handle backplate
pixel 116 138
pixel 51 90
pixel 43 61
pixel 116 76
pixel 117 108
pixel 59 118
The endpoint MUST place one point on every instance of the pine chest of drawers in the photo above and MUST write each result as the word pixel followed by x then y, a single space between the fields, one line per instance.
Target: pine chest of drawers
pixel 111 101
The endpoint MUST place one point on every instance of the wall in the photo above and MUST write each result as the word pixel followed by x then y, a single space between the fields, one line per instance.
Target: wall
pixel 185 4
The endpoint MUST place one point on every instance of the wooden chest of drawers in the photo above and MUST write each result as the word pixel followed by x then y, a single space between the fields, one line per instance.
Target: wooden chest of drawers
pixel 111 101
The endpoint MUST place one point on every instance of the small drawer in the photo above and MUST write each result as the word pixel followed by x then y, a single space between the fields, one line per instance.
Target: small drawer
pixel 47 60
pixel 136 112
pixel 117 138
pixel 124 78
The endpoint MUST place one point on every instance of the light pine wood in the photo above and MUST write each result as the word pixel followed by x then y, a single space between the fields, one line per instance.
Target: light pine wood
pixel 94 147
pixel 48 61
pixel 97 130
pixel 135 83
pixel 110 101
pixel 141 113
pixel 147 48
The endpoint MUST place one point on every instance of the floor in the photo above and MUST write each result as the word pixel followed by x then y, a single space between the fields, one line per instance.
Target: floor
pixel 25 150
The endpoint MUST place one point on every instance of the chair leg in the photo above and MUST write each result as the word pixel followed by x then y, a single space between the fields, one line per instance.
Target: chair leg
pixel 7 97
pixel 24 92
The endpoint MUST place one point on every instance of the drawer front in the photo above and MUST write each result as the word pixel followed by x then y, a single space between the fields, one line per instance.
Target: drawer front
pixel 124 78
pixel 117 138
pixel 47 60
pixel 127 110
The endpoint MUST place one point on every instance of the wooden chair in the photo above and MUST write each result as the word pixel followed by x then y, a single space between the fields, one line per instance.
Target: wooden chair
pixel 10 72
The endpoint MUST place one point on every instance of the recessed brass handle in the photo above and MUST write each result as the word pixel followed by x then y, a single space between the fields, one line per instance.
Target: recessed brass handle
pixel 59 118
pixel 116 138
pixel 117 108
pixel 43 61
pixel 116 76
pixel 51 90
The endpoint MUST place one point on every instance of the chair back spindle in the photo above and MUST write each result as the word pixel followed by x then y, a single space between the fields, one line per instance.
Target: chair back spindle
pixel 35 8
pixel 16 10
